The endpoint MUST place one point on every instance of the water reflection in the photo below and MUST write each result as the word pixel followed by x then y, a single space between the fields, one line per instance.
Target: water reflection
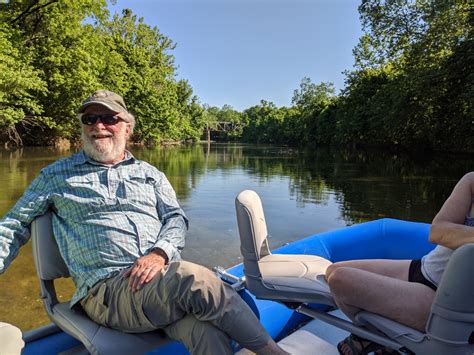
pixel 304 192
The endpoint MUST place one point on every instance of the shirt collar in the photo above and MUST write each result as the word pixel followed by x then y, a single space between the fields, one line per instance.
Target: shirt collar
pixel 82 158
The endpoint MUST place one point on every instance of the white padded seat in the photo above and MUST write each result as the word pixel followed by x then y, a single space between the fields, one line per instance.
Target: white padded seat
pixel 294 272
pixel 283 277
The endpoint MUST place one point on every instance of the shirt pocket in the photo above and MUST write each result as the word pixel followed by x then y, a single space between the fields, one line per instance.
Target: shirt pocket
pixel 140 190
pixel 79 198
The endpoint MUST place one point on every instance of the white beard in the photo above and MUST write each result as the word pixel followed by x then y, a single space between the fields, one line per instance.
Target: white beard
pixel 104 150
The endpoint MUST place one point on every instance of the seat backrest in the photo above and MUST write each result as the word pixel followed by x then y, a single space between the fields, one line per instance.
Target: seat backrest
pixel 252 230
pixel 49 262
pixel 452 312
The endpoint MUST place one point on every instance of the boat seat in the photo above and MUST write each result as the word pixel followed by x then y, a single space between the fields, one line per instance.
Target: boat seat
pixel 96 339
pixel 282 277
pixel 300 278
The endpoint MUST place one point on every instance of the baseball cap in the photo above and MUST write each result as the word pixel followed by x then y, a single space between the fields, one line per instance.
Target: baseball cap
pixel 109 99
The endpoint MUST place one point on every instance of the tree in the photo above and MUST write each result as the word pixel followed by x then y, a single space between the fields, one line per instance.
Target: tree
pixel 20 84
pixel 58 52
pixel 312 97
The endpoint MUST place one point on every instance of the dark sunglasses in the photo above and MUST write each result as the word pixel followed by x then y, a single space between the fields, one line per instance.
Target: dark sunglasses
pixel 108 120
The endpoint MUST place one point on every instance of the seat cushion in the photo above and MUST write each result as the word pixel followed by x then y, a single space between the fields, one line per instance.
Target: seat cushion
pixel 102 340
pixel 295 273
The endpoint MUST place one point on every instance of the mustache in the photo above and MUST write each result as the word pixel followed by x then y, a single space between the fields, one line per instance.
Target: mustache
pixel 101 135
pixel 96 133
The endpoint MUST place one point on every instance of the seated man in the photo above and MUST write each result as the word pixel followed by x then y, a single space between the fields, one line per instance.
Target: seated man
pixel 403 290
pixel 121 231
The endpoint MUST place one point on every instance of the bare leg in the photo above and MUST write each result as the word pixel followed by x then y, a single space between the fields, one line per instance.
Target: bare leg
pixel 383 290
pixel 392 268
pixel 379 286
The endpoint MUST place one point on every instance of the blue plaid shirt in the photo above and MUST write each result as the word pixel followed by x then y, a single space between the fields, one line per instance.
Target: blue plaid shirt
pixel 104 217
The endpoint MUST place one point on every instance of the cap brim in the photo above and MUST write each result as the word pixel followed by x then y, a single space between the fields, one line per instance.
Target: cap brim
pixel 113 108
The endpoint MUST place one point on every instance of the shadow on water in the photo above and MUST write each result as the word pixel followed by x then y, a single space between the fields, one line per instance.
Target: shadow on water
pixel 304 192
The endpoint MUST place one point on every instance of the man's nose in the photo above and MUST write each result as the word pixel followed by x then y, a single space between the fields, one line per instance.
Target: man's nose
pixel 98 124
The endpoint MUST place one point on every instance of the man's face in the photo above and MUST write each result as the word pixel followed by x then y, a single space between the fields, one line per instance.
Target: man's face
pixel 105 143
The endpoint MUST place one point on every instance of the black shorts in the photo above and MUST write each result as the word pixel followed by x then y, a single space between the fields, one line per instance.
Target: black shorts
pixel 415 275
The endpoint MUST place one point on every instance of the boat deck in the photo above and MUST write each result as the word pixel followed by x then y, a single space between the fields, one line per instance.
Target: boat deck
pixel 315 337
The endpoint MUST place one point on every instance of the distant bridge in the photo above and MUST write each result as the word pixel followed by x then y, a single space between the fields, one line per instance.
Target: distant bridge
pixel 220 126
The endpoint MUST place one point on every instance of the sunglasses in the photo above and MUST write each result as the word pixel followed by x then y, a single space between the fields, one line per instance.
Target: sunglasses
pixel 108 120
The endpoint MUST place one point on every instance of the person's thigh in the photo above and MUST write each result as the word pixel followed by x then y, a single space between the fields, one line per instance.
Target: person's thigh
pixel 406 302
pixel 392 268
pixel 199 337
pixel 113 304
pixel 167 298
pixel 183 288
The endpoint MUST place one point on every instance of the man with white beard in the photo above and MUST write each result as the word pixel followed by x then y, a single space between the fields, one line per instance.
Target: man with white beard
pixel 121 231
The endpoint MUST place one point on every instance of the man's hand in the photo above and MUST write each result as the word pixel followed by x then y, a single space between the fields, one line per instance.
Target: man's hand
pixel 144 270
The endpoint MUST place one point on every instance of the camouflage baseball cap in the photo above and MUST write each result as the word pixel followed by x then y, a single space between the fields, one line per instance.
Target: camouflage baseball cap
pixel 105 98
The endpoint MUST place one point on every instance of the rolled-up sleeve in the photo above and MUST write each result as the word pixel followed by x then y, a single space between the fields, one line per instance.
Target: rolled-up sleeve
pixel 171 237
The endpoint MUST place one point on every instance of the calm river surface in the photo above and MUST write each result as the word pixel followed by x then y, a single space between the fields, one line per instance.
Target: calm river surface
pixel 303 193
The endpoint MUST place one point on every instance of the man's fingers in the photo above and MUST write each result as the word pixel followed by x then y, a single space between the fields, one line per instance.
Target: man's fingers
pixel 134 282
pixel 127 272
pixel 144 270
pixel 145 277
pixel 151 275
pixel 133 273
pixel 138 277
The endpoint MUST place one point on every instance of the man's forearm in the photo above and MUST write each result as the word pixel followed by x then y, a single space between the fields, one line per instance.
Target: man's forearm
pixel 172 236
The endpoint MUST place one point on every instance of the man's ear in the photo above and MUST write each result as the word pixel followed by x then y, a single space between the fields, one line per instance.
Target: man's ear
pixel 128 131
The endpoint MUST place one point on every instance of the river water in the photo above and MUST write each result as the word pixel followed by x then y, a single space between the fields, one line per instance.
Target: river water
pixel 303 192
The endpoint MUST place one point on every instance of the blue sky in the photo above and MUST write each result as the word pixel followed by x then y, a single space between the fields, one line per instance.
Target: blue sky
pixel 238 52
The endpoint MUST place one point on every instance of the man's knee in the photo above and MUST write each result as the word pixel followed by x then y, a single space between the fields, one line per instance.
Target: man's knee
pixel 197 274
pixel 199 337
pixel 187 269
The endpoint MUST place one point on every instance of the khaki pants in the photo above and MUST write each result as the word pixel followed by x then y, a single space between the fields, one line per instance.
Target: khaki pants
pixel 186 300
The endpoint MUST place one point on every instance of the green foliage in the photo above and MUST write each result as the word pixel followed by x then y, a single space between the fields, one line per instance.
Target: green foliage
pixel 20 83
pixel 313 98
pixel 270 124
pixel 412 87
pixel 59 52
pixel 215 117
pixel 415 76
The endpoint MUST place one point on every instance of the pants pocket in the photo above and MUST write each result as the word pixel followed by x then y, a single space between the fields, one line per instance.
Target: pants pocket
pixel 95 304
